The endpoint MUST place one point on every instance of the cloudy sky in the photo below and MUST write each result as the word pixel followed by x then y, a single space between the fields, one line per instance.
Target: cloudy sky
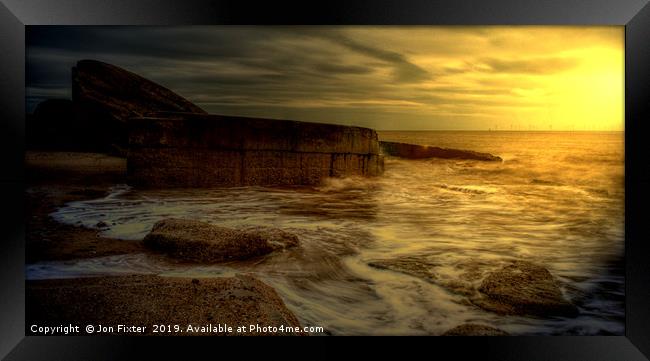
pixel 388 78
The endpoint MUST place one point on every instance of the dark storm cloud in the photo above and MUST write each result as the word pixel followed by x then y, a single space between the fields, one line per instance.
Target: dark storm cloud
pixel 285 54
pixel 365 76
pixel 404 70
pixel 190 60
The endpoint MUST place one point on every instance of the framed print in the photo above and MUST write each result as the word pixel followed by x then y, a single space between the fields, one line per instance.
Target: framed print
pixel 217 168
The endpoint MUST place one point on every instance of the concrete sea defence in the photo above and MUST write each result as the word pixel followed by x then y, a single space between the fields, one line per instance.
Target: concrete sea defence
pixel 171 142
pixel 415 151
pixel 171 149
pixel 104 97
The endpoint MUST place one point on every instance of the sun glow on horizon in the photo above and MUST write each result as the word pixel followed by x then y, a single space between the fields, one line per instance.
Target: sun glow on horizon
pixel 381 77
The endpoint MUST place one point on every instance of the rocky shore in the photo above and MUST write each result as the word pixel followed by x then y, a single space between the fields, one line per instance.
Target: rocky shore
pixel 523 288
pixel 520 287
pixel 55 178
pixel 163 140
pixel 148 300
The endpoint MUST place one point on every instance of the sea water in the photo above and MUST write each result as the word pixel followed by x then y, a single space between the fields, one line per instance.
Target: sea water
pixel 557 200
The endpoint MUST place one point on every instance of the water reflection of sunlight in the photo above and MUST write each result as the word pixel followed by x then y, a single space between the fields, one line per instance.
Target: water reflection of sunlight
pixel 469 217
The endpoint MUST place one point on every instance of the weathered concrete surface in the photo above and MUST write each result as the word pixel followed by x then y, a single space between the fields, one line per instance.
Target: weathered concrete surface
pixel 105 96
pixel 146 300
pixel 191 150
pixel 199 241
pixel 414 151
pixel 122 93
pixel 473 329
pixel 523 288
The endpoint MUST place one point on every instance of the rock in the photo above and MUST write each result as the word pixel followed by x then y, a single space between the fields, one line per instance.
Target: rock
pixel 414 266
pixel 414 151
pixel 146 300
pixel 523 288
pixel 105 96
pixel 101 224
pixel 424 268
pixel 203 242
pixel 194 150
pixel 471 329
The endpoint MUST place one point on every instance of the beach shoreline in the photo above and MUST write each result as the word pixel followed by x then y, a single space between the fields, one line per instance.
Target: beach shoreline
pixel 56 178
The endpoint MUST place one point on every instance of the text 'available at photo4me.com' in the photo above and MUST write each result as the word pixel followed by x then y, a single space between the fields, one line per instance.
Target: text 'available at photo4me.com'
pixel 217 329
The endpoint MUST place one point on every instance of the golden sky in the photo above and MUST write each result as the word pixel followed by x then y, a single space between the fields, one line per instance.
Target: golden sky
pixel 385 77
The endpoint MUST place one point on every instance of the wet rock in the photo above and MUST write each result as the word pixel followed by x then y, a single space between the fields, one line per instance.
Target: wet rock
pixel 203 242
pixel 472 329
pixel 523 288
pixel 101 224
pixel 424 268
pixel 146 300
pixel 413 266
pixel 414 151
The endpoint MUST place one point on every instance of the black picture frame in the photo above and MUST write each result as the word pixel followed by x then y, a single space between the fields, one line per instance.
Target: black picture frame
pixel 16 14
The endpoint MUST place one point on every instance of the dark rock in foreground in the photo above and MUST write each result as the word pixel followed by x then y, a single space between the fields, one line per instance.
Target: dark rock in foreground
pixel 523 288
pixel 471 329
pixel 414 151
pixel 203 242
pixel 147 300
pixel 193 150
